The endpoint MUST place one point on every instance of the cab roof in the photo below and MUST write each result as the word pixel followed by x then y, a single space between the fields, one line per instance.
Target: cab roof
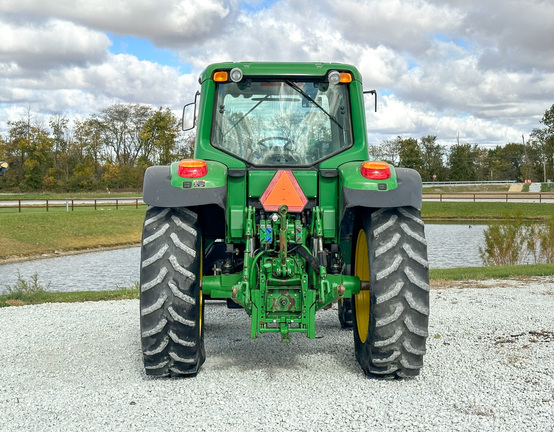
pixel 280 69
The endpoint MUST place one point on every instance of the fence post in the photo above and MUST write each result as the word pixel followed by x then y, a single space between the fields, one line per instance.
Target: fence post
pixel 94 203
pixel 47 205
pixel 136 203
pixel 72 204
pixel 19 206
pixel 117 204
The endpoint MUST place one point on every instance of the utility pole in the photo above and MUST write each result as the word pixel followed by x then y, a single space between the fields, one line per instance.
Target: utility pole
pixel 527 163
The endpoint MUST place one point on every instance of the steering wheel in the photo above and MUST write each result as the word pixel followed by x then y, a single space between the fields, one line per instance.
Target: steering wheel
pixel 286 146
pixel 281 159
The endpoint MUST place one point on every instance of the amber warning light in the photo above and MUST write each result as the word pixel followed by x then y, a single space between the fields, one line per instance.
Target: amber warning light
pixel 284 189
pixel 221 76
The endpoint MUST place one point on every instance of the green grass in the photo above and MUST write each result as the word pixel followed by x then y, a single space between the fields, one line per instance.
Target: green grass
pixel 547 187
pixel 29 292
pixel 485 210
pixel 68 297
pixel 492 272
pixel 24 234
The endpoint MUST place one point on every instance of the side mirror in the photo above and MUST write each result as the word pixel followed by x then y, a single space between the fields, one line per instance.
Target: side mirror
pixel 188 121
pixel 374 93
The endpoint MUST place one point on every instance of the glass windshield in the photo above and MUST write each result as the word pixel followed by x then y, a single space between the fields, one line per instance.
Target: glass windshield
pixel 281 122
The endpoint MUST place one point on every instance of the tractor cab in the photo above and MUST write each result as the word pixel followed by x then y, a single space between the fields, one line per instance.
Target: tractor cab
pixel 282 122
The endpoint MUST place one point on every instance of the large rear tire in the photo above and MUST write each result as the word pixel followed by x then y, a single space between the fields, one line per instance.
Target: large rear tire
pixel 170 293
pixel 391 319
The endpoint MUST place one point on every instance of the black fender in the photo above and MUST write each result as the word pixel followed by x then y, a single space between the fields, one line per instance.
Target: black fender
pixel 158 191
pixel 408 193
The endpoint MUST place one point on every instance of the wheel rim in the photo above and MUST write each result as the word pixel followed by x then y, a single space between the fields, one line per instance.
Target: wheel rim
pixel 200 314
pixel 361 269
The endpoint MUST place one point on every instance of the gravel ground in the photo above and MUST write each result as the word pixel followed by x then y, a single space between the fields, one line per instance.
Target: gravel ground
pixel 489 366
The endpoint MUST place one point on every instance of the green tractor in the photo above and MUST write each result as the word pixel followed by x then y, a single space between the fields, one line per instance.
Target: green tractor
pixel 281 213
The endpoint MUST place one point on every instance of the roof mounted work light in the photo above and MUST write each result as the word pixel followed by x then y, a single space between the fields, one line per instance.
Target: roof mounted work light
pixel 236 75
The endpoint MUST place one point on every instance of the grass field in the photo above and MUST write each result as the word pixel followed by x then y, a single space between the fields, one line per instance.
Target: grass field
pixel 485 210
pixel 32 233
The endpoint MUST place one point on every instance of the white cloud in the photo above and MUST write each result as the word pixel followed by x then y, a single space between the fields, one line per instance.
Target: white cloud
pixel 399 24
pixel 170 22
pixel 39 46
pixel 397 118
pixel 483 69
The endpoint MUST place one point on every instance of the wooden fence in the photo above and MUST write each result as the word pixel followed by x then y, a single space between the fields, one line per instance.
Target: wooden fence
pixel 70 204
pixel 491 196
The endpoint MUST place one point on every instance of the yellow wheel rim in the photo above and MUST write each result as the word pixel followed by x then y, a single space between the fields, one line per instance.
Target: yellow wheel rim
pixel 200 313
pixel 361 269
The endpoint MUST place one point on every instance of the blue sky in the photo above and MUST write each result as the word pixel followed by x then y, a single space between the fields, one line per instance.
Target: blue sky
pixel 143 49
pixel 441 68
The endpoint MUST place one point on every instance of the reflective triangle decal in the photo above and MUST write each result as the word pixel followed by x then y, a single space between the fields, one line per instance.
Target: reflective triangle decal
pixel 284 189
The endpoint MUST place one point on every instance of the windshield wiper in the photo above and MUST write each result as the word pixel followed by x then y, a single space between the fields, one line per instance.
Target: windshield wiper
pixel 307 96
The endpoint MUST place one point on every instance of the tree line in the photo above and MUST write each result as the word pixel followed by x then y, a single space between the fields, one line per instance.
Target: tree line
pixel 531 160
pixel 112 149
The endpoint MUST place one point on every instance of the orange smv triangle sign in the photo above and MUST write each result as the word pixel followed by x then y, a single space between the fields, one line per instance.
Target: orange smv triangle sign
pixel 284 189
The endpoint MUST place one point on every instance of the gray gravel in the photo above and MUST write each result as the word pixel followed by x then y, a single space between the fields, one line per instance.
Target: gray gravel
pixel 77 367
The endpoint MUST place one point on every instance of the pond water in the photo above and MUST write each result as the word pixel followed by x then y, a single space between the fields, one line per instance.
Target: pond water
pixel 449 246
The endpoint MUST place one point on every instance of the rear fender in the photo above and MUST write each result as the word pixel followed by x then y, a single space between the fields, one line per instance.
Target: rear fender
pixel 164 188
pixel 357 192
pixel 403 188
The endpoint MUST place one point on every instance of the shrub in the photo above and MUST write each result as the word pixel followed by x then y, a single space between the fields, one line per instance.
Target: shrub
pixel 514 242
pixel 504 242
pixel 546 241
pixel 22 288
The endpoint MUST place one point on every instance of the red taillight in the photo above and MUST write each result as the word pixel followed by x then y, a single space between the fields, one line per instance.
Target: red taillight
pixel 375 170
pixel 192 168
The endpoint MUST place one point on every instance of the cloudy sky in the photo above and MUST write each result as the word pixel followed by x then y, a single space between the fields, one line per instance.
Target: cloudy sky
pixel 480 69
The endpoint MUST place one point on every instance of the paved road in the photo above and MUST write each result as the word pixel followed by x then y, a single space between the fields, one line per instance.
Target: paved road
pixel 535 187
